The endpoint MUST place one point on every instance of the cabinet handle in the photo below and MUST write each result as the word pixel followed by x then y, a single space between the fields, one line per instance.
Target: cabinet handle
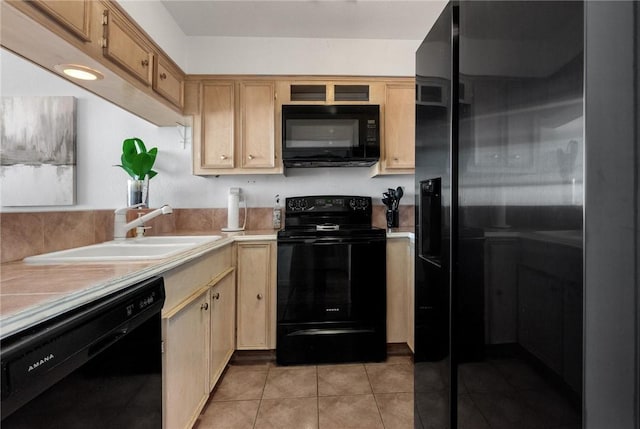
pixel 144 63
pixel 223 157
pixel 250 156
pixel 216 295
pixel 204 306
pixel 259 296
pixel 163 76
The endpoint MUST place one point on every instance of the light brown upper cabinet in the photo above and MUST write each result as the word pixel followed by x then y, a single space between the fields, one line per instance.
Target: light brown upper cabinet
pixel 217 123
pixel 168 81
pixel 137 74
pixel 257 136
pixel 313 90
pixel 398 151
pixel 235 132
pixel 124 46
pixel 74 16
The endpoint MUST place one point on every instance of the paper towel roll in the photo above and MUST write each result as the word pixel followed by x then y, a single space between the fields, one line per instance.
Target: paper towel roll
pixel 233 208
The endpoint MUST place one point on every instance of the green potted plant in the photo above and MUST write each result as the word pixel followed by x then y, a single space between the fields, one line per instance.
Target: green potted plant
pixel 138 162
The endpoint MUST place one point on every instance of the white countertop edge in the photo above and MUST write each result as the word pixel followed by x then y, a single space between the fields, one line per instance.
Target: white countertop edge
pixel 39 313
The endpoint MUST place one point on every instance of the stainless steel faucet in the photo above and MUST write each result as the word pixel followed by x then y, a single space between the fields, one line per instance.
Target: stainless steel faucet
pixel 120 225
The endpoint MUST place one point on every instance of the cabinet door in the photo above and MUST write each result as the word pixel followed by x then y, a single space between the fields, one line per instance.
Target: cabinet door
pixel 254 278
pixel 397 280
pixel 572 335
pixel 218 119
pixel 223 326
pixel 257 109
pixel 399 126
pixel 540 300
pixel 501 294
pixel 74 16
pixel 168 82
pixel 186 361
pixel 126 48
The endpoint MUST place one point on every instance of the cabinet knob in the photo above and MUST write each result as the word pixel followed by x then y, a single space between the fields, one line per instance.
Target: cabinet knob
pixel 204 306
pixel 259 296
pixel 223 157
pixel 251 156
pixel 216 295
pixel 144 63
pixel 163 76
pixel 395 159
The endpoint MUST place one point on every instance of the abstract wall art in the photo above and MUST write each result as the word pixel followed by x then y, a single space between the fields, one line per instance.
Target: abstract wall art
pixel 37 151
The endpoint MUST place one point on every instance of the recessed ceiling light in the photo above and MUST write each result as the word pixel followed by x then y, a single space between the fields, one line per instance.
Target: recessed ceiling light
pixel 79 72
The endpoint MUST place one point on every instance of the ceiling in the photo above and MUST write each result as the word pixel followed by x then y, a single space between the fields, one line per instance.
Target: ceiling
pixel 342 19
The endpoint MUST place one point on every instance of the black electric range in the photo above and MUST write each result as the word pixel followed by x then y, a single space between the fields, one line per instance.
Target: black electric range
pixel 331 282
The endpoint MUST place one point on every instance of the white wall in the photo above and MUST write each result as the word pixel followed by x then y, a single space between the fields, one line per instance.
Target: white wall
pixel 160 25
pixel 278 55
pixel 273 55
pixel 102 127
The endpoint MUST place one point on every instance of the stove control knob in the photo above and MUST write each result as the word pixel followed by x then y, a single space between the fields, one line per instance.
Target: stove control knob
pixel 303 204
pixel 352 203
pixel 291 204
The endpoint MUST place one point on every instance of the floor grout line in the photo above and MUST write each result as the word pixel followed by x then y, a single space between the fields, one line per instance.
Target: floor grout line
pixel 255 418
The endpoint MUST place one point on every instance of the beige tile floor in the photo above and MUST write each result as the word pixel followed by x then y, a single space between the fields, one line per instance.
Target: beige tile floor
pixel 348 396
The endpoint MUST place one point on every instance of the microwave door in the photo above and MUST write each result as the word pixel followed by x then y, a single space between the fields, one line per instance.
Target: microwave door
pixel 321 137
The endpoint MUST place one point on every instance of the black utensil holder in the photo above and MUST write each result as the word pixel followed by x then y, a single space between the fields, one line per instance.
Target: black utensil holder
pixel 393 218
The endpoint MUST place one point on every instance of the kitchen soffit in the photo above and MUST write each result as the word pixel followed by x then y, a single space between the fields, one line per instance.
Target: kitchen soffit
pixel 350 19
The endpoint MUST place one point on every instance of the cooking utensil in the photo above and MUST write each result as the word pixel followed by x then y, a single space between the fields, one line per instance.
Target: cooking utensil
pixel 398 193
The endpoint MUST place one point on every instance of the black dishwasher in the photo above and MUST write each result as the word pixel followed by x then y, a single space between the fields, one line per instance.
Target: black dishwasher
pixel 97 366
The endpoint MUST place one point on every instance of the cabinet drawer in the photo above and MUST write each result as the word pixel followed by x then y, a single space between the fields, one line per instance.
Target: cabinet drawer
pixel 168 82
pixel 184 280
pixel 125 48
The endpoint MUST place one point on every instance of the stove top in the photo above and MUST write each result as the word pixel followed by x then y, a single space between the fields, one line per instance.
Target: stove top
pixel 328 212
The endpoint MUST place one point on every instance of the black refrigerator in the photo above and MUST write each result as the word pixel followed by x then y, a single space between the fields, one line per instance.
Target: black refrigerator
pixel 499 217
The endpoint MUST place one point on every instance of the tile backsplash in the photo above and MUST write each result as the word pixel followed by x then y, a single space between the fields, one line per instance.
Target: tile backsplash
pixel 26 234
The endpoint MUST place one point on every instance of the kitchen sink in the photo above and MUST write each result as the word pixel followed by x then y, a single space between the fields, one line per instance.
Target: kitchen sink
pixel 135 249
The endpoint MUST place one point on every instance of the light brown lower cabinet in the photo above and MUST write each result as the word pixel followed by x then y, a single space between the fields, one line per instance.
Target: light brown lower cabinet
pixel 185 367
pixel 223 325
pixel 256 296
pixel 400 291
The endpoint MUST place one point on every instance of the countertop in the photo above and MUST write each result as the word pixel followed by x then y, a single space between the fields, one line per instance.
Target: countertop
pixel 30 294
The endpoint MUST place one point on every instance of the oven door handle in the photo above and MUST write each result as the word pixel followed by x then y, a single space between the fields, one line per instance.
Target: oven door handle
pixel 329 241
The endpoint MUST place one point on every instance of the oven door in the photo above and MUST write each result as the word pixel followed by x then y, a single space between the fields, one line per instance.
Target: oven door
pixel 331 300
pixel 331 279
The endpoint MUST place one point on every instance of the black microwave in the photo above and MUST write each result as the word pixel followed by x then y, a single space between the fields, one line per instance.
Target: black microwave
pixel 330 135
